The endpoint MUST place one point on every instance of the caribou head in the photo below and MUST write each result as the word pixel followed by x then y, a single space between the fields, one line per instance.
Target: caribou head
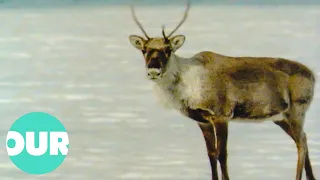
pixel 157 50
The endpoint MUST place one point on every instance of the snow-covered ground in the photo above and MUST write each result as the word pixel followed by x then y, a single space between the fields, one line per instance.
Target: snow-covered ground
pixel 77 64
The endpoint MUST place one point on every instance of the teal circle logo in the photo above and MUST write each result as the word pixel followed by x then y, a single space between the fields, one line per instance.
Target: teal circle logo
pixel 37 143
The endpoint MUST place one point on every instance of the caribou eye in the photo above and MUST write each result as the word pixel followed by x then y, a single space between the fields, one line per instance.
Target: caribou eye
pixel 167 50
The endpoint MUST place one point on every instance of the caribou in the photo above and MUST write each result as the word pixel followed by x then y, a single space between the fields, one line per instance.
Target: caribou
pixel 215 89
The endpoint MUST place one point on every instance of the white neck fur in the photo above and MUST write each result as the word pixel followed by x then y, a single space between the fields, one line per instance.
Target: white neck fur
pixel 180 82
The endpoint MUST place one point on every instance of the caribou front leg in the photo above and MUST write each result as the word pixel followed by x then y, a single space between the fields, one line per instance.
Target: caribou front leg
pixel 215 132
pixel 219 121
pixel 221 130
pixel 209 135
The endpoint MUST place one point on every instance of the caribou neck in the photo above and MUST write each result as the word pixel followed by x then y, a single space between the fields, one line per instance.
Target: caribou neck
pixel 168 88
pixel 175 68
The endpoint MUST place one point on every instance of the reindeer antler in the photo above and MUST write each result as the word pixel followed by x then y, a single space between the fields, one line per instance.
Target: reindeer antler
pixel 181 22
pixel 137 21
pixel 163 33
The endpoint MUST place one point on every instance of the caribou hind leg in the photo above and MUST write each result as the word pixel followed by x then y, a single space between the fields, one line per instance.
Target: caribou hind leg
pixel 293 126
pixel 308 167
pixel 288 129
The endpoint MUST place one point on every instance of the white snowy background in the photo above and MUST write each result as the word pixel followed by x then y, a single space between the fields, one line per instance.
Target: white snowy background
pixel 77 64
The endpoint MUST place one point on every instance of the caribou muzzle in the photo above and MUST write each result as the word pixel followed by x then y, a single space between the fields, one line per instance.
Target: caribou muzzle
pixel 154 73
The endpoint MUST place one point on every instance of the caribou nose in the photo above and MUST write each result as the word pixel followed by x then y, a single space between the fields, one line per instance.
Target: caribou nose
pixel 154 72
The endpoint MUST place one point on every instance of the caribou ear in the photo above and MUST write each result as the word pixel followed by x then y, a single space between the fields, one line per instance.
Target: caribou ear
pixel 137 41
pixel 177 41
